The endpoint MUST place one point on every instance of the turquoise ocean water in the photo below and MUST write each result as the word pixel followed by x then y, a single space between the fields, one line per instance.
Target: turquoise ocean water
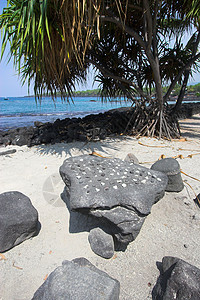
pixel 23 111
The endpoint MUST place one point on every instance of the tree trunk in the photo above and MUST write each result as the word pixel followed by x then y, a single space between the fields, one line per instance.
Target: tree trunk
pixel 179 101
pixel 186 77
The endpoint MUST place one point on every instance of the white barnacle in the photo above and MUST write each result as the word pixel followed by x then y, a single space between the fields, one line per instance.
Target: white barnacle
pixel 111 174
pixel 97 189
pixel 86 186
pixel 124 184
pixel 100 171
pixel 147 177
pixel 115 187
pixel 159 179
pixel 78 177
pixel 102 183
pixel 81 159
pixel 143 181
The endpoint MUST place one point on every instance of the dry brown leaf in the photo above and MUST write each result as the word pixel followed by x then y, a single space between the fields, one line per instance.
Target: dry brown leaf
pixel 96 154
pixel 46 276
pixel 162 156
pixel 114 256
pixel 45 167
pixel 50 252
pixel 2 257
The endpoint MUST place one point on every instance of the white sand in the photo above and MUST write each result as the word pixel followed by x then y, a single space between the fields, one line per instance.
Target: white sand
pixel 172 228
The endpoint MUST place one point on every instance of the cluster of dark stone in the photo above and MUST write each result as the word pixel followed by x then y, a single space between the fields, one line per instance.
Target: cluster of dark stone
pixel 92 127
pixel 119 194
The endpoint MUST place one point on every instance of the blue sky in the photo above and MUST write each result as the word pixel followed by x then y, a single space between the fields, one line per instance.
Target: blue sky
pixel 10 85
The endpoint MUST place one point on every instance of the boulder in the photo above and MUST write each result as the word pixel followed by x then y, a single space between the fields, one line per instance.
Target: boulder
pixel 119 193
pixel 171 168
pixel 78 280
pixel 18 220
pixel 178 280
pixel 101 243
pixel 8 152
pixel 131 158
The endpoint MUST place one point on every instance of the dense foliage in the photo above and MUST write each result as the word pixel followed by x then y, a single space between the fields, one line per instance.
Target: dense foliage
pixel 136 46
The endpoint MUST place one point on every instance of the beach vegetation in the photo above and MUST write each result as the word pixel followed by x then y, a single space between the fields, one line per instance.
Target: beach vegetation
pixel 135 45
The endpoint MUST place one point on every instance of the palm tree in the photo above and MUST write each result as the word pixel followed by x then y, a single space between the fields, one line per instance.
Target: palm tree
pixel 55 41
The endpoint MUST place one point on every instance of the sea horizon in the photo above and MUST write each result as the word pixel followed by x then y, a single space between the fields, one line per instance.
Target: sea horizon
pixel 24 111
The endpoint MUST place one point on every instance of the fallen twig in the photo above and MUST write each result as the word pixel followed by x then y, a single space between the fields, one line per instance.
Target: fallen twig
pixel 97 154
pixel 198 200
pixel 19 268
pixel 190 176
pixel 152 146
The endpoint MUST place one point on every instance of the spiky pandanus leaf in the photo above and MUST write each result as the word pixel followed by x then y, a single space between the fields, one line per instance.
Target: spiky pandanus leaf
pixel 49 40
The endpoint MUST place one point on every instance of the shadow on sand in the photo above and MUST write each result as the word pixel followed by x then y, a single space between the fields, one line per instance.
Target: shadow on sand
pixel 80 148
pixel 191 127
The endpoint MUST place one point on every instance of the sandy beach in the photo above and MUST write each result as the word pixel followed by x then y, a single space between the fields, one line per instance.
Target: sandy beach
pixel 172 228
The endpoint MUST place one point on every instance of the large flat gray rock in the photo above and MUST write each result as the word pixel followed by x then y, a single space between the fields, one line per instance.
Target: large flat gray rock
pixel 78 280
pixel 178 280
pixel 18 219
pixel 118 192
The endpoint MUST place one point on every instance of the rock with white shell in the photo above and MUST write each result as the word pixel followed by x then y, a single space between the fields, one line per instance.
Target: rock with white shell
pixel 119 193
pixel 131 158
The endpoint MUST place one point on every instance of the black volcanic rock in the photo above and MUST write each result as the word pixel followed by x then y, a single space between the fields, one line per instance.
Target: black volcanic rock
pixel 178 280
pixel 119 193
pixel 171 168
pixel 78 280
pixel 18 220
pixel 101 243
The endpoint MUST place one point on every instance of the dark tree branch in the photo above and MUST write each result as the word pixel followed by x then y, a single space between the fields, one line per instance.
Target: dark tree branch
pixel 148 16
pixel 138 38
pixel 186 77
pixel 190 62
pixel 154 23
pixel 107 73
pixel 126 28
